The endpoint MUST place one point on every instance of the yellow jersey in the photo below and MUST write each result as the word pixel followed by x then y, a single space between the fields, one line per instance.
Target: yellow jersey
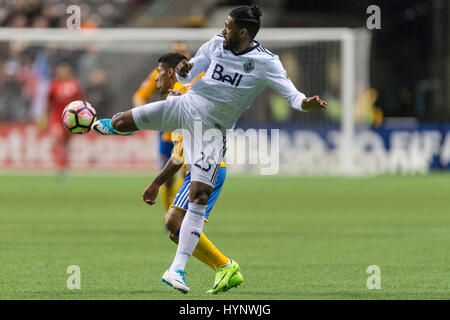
pixel 148 87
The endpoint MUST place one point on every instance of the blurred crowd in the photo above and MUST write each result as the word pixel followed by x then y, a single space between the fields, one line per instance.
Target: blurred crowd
pixel 27 69
pixel 52 13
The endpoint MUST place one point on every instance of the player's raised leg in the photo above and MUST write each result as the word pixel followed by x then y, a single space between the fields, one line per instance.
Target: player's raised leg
pixel 146 117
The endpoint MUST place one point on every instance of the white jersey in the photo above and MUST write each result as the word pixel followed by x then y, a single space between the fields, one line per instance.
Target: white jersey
pixel 232 81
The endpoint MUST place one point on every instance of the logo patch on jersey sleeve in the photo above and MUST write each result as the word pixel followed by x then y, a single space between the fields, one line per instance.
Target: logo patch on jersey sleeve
pixel 249 66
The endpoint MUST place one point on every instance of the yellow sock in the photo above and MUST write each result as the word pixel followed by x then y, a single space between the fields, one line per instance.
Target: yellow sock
pixel 199 255
pixel 209 251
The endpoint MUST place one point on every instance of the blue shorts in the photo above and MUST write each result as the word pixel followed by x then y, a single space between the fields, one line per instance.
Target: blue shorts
pixel 165 149
pixel 182 198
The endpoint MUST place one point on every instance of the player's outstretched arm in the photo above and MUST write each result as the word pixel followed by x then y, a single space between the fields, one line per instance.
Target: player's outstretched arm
pixel 277 78
pixel 188 70
pixel 172 166
pixel 313 103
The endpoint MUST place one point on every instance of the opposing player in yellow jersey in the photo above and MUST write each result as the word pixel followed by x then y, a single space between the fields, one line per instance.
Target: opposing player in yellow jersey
pixel 205 250
pixel 146 91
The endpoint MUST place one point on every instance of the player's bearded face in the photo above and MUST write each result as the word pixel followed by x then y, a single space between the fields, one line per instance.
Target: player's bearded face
pixel 230 34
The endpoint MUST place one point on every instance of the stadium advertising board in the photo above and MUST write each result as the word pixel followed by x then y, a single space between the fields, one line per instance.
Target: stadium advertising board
pixel 24 146
pixel 301 151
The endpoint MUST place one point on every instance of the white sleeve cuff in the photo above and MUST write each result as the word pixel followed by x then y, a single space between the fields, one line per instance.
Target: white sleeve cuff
pixel 298 102
pixel 181 79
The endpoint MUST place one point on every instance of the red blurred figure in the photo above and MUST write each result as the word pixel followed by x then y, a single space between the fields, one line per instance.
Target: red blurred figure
pixel 64 88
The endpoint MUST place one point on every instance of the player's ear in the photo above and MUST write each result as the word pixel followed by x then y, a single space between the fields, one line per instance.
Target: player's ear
pixel 243 33
pixel 171 72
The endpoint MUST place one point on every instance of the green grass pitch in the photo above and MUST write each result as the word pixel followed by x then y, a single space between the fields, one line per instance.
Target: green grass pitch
pixel 294 238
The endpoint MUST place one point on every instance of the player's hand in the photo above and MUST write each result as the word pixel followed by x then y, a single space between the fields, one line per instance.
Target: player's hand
pixel 313 103
pixel 175 92
pixel 183 68
pixel 150 193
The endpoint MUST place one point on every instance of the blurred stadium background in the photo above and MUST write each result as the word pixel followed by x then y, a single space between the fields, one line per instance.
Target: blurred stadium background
pixel 388 114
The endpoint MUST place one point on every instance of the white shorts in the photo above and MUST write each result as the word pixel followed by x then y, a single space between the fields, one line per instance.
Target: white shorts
pixel 204 146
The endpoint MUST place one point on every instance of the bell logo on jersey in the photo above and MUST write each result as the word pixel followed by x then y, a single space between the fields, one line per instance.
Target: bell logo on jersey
pixel 217 75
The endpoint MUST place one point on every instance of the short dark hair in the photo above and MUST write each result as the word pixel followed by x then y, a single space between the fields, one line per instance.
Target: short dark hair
pixel 248 17
pixel 171 59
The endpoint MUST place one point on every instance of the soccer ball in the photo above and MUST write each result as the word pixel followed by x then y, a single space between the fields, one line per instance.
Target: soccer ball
pixel 78 116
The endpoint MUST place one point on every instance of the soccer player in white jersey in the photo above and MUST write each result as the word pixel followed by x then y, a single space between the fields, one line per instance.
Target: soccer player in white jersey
pixel 237 69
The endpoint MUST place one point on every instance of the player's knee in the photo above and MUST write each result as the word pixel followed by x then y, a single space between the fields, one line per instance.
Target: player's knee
pixel 173 236
pixel 200 195
pixel 172 227
pixel 172 223
pixel 201 198
pixel 199 192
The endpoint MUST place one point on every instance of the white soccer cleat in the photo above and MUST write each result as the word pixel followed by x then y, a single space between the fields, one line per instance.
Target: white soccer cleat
pixel 176 280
